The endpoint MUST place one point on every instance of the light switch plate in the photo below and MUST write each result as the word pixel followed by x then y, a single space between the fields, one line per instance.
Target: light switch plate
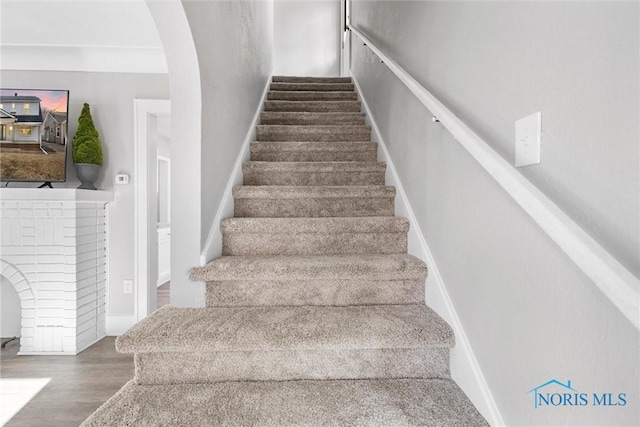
pixel 128 286
pixel 528 140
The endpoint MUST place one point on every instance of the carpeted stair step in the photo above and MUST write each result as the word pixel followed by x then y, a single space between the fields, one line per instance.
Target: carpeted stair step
pixel 313 173
pixel 313 280
pixel 320 133
pixel 296 79
pixel 187 345
pixel 295 95
pixel 389 402
pixel 306 118
pixel 320 87
pixel 313 106
pixel 306 151
pixel 314 236
pixel 312 201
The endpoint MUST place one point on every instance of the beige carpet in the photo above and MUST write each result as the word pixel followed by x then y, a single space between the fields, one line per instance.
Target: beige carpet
pixel 315 312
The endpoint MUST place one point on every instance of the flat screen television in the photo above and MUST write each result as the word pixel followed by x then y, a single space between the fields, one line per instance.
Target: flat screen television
pixel 33 135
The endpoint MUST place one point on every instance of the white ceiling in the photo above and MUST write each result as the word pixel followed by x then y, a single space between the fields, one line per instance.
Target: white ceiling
pixel 79 35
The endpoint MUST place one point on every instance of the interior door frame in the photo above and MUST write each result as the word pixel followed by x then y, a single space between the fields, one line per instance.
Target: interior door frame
pixel 145 287
pixel 345 39
pixel 166 160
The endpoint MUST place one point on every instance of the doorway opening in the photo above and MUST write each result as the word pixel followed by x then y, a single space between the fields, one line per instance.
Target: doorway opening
pixel 153 205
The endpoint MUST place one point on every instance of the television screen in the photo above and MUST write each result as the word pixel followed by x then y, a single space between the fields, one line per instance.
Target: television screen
pixel 33 135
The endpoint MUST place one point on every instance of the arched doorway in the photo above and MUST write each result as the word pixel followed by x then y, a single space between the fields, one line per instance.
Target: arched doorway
pixel 24 297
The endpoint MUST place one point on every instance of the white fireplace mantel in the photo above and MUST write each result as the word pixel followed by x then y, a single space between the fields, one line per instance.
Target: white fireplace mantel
pixel 53 250
pixel 56 194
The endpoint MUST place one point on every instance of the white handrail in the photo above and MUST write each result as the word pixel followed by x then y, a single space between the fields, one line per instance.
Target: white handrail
pixel 612 278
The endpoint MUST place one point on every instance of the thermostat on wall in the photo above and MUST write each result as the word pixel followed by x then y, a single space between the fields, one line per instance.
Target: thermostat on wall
pixel 122 178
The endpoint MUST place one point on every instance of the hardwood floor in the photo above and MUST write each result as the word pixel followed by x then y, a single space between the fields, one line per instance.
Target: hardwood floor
pixel 78 386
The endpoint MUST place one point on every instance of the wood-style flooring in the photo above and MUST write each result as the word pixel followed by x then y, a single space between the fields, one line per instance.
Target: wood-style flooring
pixel 78 386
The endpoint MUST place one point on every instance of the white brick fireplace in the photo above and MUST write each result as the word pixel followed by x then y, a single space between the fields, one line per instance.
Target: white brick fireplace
pixel 53 249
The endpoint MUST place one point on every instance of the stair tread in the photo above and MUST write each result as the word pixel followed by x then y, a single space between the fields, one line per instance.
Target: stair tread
pixel 312 86
pixel 340 128
pixel 320 191
pixel 315 225
pixel 308 117
pixel 310 95
pixel 171 329
pixel 310 267
pixel 313 106
pixel 308 151
pixel 333 132
pixel 316 166
pixel 312 114
pixel 337 93
pixel 374 402
pixel 305 79
pixel 313 145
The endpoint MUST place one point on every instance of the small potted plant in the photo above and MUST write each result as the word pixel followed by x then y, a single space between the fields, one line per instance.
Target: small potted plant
pixel 86 150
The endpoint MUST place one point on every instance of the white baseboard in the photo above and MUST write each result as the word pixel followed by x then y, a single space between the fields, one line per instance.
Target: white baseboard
pixel 118 325
pixel 213 246
pixel 164 278
pixel 464 366
pixel 61 353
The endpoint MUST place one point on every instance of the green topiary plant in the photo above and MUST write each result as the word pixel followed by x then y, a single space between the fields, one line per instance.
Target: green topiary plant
pixel 86 146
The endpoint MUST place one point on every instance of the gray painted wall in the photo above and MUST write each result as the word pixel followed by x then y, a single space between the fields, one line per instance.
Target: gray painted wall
pixel 233 40
pixel 492 63
pixel 306 38
pixel 186 109
pixel 111 98
pixel 529 313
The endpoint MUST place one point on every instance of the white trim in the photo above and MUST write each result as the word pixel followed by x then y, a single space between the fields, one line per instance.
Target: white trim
pixel 142 285
pixel 343 35
pixel 57 194
pixel 213 245
pixel 61 353
pixel 464 365
pixel 617 283
pixel 163 278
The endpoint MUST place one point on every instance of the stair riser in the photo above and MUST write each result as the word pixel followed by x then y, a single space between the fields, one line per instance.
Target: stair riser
pixel 249 293
pixel 290 118
pixel 261 155
pixel 390 402
pixel 310 133
pixel 313 243
pixel 181 368
pixel 284 95
pixel 323 87
pixel 314 207
pixel 258 177
pixel 299 79
pixel 313 106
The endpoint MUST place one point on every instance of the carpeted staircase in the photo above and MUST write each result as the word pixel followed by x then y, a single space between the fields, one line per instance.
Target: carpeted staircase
pixel 315 312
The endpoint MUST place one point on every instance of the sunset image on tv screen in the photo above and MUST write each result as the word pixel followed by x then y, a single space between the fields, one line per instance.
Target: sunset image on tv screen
pixel 33 134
